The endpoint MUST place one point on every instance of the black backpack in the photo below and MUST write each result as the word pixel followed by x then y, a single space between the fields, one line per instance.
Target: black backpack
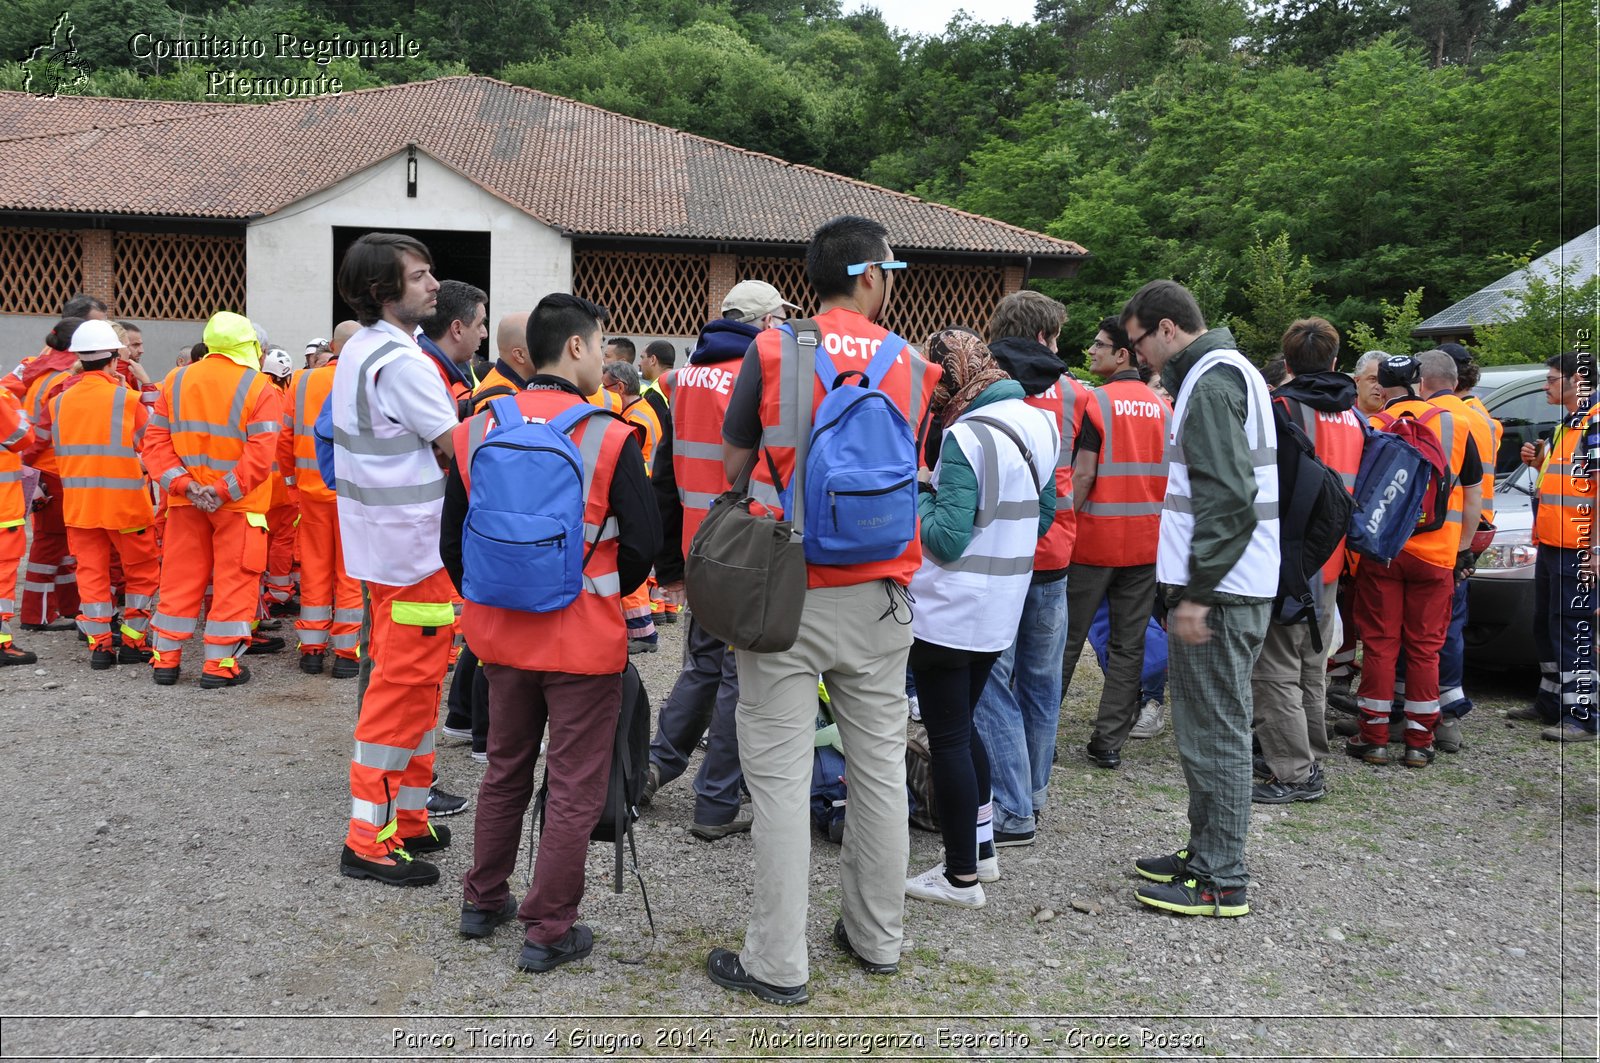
pixel 1314 509
pixel 630 764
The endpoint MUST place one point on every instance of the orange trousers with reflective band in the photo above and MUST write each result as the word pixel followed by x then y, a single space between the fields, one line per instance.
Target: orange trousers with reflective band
pixel 330 601
pixel 13 543
pixel 392 766
pixel 222 549
pixel 50 579
pixel 280 553
pixel 98 550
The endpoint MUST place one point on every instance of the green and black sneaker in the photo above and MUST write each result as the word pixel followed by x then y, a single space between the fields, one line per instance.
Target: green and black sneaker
pixel 1163 868
pixel 1192 897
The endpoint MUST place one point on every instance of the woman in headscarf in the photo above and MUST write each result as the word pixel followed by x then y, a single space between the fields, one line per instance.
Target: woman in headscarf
pixel 990 497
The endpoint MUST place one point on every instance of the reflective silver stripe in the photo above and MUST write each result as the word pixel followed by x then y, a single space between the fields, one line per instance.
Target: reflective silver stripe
pixel 1131 468
pixel 281 581
pixel 228 629
pixel 606 531
pixel 95 627
pixel 302 423
pixel 425 746
pixel 786 433
pixel 43 434
pixel 158 420
pixel 1070 416
pixel 162 643
pixel 40 588
pixel 230 483
pixel 97 610
pixel 214 652
pixel 142 602
pixel 66 577
pixel 382 757
pixel 698 499
pixel 990 566
pixel 260 428
pixel 705 451
pixel 206 461
pixel 241 393
pixel 990 500
pixel 310 636
pixel 391 496
pixel 346 641
pixel 168 477
pixel 85 483
pixel 1120 509
pixel 363 401
pixel 307 465
pixel 1184 504
pixel 367 812
pixel 22 430
pixel 13 476
pixel 177 625
pixel 607 586
pixel 136 624
pixel 411 798
pixel 8 606
pixel 346 616
pixel 95 450
pixel 207 428
pixel 391 446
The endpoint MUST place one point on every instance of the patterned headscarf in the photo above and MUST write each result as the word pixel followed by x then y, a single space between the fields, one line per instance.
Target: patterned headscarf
pixel 968 366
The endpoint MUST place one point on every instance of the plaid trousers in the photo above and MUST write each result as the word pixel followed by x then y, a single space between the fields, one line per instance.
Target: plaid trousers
pixel 1209 687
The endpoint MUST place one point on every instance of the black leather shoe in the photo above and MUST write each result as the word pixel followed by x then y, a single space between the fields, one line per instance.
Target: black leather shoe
pixel 63 623
pixel 345 668
pixel 575 944
pixel 724 968
pixel 100 660
pixel 437 838
pixel 842 939
pixel 396 869
pixel 478 923
pixel 265 644
pixel 1102 760
pixel 311 663
pixel 213 682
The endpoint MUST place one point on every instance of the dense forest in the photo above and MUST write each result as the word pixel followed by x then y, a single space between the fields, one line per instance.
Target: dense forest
pixel 1370 160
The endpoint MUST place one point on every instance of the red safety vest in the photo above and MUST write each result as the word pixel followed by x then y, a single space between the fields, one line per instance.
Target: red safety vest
pixel 1065 401
pixel 1338 439
pixel 851 340
pixel 700 396
pixel 588 637
pixel 1120 522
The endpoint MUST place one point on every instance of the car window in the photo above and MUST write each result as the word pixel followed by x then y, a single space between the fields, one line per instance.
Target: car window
pixel 1527 417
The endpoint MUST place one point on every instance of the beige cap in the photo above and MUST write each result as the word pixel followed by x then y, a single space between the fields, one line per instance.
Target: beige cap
pixel 753 300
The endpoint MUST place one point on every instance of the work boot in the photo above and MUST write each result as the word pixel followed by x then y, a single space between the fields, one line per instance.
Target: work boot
pixel 102 659
pixel 396 869
pixel 311 663
pixel 9 654
pixel 345 668
pixel 217 680
pixel 133 653
pixel 264 644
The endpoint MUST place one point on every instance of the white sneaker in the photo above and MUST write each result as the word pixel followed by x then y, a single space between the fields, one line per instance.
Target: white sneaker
pixel 1152 720
pixel 988 869
pixel 931 885
pixel 461 734
pixel 481 758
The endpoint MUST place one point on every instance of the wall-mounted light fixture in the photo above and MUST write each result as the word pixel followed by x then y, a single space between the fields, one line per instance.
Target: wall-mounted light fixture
pixel 411 171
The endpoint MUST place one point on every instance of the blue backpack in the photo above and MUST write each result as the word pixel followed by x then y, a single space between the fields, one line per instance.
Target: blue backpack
pixel 1390 491
pixel 523 545
pixel 860 476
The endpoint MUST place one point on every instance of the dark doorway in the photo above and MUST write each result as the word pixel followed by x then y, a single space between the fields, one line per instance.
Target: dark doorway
pixel 457 255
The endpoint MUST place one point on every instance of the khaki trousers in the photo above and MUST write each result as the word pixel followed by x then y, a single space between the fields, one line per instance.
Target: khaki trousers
pixel 1290 689
pixel 858 644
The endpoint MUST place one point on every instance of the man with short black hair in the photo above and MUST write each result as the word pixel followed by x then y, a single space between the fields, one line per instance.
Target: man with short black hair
pixel 1217 566
pixel 85 306
pixel 854 631
pixel 560 669
pixel 452 334
pixel 620 349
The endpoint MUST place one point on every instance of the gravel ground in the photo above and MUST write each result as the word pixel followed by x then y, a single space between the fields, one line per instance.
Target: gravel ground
pixel 174 891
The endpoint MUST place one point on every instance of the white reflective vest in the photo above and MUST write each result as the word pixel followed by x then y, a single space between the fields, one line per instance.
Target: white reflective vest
pixel 390 489
pixel 975 601
pixel 1255 574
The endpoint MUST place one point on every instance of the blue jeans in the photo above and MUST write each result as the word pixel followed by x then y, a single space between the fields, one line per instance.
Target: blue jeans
pixel 1020 709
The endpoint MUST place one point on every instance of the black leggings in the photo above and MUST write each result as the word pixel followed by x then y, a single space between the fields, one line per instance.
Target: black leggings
pixel 949 683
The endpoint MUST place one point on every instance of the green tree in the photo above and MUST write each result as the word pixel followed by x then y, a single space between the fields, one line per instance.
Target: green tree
pixel 1278 290
pixel 1393 334
pixel 1553 315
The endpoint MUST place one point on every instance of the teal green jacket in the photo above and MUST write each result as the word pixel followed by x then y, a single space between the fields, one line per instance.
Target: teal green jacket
pixel 947 514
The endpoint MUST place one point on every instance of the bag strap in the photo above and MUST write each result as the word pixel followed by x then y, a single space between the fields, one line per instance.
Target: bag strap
pixel 507 414
pixel 797 336
pixel 1005 429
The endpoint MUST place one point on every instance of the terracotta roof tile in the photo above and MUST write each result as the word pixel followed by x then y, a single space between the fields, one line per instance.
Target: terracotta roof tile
pixel 582 169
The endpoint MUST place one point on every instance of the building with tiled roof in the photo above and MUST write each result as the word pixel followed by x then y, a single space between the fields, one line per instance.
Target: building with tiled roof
pixel 1502 300
pixel 170 211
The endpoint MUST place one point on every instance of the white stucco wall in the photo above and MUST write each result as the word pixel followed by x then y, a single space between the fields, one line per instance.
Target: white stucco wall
pixel 289 255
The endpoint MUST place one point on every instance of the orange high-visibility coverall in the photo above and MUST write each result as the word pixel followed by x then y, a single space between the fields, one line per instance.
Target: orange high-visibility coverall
pixel 50 580
pixel 97 424
pixel 216 423
pixel 330 601
pixel 15 436
pixel 283 515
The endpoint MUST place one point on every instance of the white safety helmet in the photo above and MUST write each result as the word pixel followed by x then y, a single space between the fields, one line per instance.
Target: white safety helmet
pixel 276 363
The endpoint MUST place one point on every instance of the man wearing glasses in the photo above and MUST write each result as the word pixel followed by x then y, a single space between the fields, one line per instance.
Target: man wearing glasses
pixel 855 631
pixel 1217 565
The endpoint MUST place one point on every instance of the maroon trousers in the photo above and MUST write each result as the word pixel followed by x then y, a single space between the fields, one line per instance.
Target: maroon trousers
pixel 1401 607
pixel 582 712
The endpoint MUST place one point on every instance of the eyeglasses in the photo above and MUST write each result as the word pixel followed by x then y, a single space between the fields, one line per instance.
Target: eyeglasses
pixel 861 267
pixel 1100 345
pixel 1133 342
